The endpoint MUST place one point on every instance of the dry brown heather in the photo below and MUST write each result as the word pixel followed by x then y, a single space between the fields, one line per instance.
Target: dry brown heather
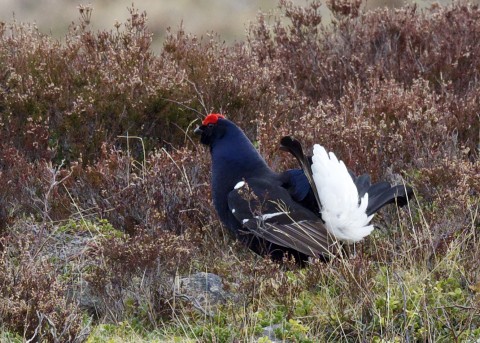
pixel 93 225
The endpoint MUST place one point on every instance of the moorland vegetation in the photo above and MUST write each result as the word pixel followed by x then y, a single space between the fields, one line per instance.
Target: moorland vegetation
pixel 104 191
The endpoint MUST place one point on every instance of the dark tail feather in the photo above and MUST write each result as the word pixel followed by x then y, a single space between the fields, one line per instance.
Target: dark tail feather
pixel 294 147
pixel 381 194
pixel 362 182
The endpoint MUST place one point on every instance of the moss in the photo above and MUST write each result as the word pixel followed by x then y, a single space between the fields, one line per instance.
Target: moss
pixel 84 207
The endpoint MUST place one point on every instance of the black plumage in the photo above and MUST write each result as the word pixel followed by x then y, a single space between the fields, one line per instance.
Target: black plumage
pixel 275 213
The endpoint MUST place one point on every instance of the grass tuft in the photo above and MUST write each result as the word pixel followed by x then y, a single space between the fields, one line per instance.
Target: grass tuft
pixel 104 197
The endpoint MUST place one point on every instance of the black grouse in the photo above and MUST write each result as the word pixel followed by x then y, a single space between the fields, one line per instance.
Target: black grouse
pixel 300 212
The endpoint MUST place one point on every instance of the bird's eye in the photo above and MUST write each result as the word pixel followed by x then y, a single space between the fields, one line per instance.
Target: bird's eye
pixel 210 125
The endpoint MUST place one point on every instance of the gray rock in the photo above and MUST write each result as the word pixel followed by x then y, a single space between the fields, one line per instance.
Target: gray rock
pixel 204 290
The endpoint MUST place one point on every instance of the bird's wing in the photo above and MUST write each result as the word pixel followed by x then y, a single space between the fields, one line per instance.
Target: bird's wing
pixel 268 212
pixel 302 236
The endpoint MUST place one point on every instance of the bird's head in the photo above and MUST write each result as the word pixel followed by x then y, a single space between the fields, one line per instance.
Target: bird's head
pixel 228 142
pixel 212 128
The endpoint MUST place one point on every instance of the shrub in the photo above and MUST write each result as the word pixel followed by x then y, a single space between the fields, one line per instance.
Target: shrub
pixel 102 187
pixel 34 299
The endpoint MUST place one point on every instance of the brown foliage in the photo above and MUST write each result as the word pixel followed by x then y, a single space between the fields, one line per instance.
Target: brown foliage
pixel 390 91
pixel 33 296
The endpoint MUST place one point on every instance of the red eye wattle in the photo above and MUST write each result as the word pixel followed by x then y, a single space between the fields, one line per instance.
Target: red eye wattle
pixel 212 118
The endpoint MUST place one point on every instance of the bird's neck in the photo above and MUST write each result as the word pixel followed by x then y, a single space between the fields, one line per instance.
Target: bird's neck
pixel 235 158
pixel 227 171
pixel 237 164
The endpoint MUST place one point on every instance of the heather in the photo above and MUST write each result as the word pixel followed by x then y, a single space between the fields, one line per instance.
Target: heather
pixel 105 197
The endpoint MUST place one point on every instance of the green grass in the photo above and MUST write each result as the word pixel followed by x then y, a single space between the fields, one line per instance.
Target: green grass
pixel 95 228
pixel 407 295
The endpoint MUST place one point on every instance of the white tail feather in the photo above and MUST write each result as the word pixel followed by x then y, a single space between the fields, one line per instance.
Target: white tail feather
pixel 345 217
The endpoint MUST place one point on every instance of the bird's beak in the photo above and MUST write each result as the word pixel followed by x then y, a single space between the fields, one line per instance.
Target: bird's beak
pixel 198 131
